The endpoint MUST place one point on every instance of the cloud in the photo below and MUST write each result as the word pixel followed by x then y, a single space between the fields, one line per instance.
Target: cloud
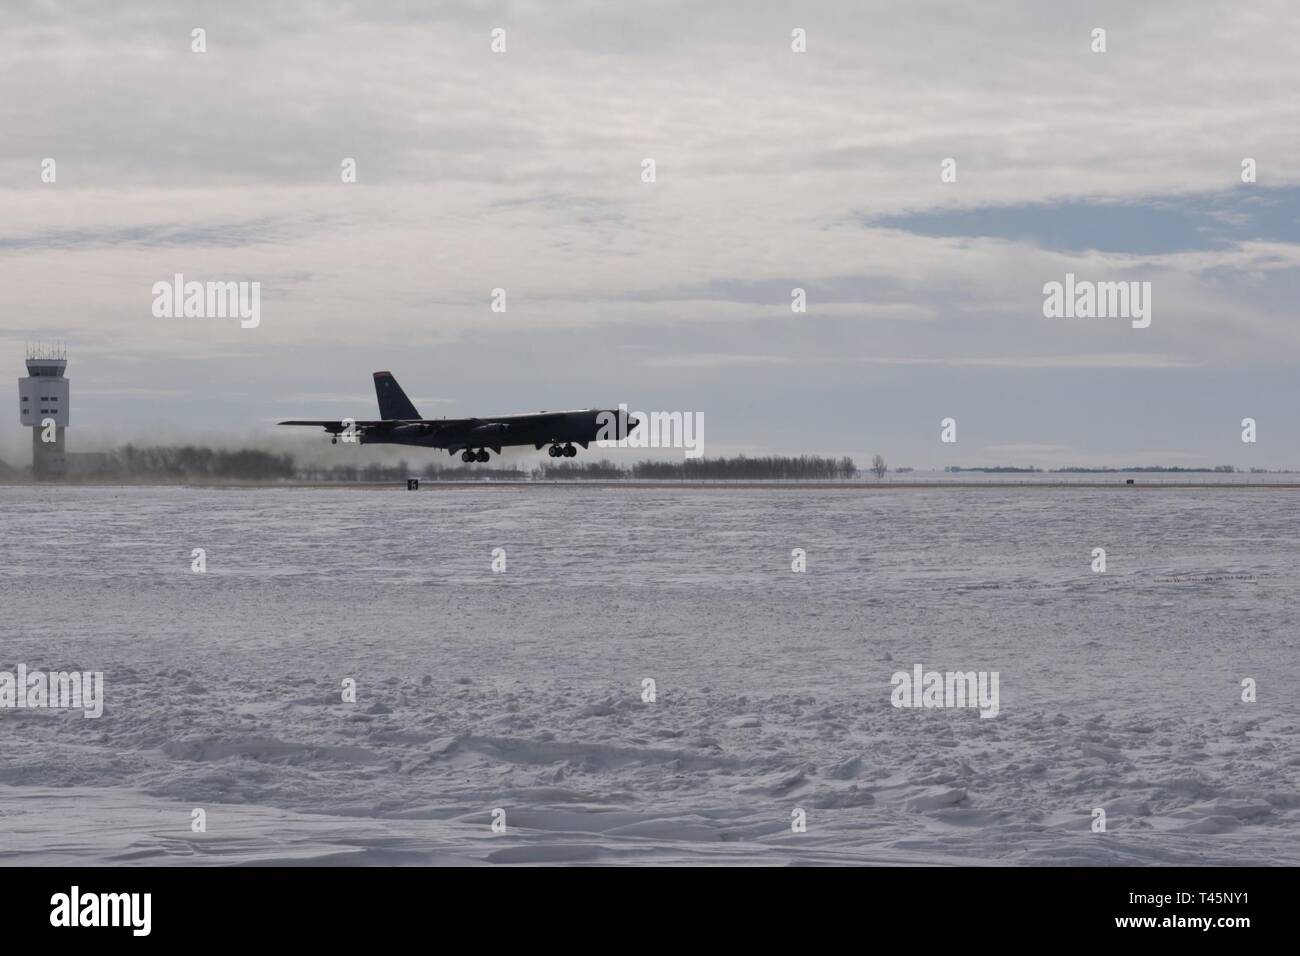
pixel 1144 227
pixel 775 170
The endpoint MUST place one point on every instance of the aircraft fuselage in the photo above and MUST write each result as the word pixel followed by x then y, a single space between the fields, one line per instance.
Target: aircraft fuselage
pixel 544 428
pixel 400 423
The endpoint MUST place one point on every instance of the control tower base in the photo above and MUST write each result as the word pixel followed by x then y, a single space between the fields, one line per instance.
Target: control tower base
pixel 49 459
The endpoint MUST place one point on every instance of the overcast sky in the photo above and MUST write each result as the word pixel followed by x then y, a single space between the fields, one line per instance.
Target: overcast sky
pixel 774 170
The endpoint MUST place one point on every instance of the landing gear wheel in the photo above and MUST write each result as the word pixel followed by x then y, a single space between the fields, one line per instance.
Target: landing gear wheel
pixel 553 451
pixel 570 451
pixel 467 456
pixel 483 455
pixel 334 441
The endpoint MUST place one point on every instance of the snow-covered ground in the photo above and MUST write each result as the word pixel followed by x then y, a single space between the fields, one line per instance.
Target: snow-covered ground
pixel 523 690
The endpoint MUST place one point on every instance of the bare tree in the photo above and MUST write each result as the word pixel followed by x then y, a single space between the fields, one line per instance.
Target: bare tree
pixel 803 468
pixel 879 467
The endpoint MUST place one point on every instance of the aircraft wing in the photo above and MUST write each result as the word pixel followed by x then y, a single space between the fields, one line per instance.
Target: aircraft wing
pixel 337 427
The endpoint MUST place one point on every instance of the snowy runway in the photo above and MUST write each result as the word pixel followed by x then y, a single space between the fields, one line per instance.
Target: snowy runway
pixel 523 691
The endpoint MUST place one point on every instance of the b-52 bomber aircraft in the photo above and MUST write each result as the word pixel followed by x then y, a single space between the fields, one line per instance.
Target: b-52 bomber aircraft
pixel 400 424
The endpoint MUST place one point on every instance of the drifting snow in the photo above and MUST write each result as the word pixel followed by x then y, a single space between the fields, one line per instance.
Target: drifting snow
pixel 523 691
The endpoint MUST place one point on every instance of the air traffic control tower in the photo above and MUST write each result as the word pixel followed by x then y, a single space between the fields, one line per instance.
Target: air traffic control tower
pixel 43 406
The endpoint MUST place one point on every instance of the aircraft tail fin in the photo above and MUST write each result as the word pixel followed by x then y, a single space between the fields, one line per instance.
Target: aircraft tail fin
pixel 393 402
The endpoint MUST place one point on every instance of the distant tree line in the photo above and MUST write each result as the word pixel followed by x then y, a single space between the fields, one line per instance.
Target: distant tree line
pixel 603 469
pixel 705 469
pixel 377 472
pixel 186 462
pixel 195 463
pixel 1009 469
pixel 997 470
pixel 803 468
pixel 1219 469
